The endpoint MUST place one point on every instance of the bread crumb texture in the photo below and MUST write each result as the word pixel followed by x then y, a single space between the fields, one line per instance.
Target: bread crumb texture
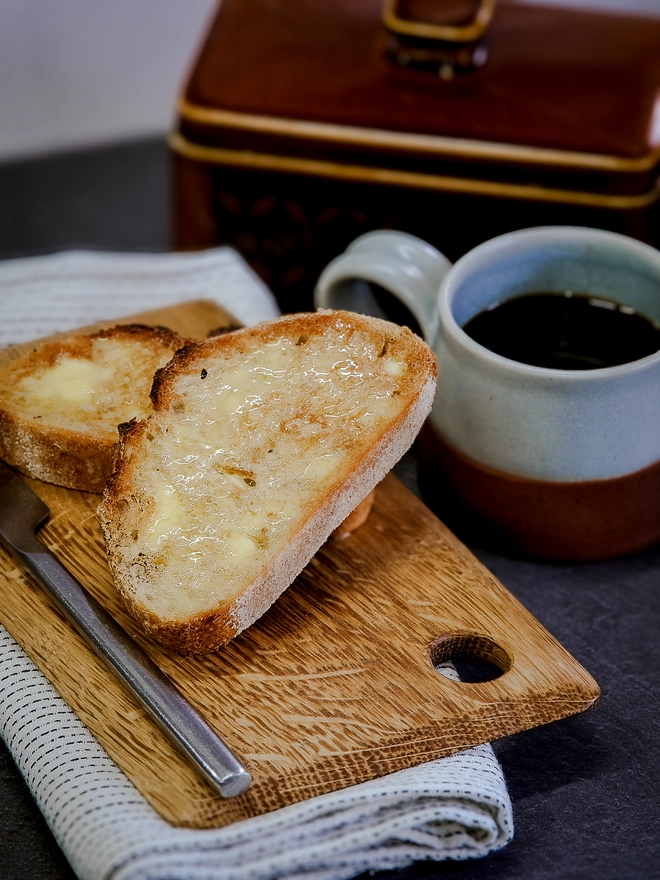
pixel 223 494
pixel 61 402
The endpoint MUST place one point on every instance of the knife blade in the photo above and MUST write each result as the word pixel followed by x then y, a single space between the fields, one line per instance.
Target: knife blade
pixel 22 513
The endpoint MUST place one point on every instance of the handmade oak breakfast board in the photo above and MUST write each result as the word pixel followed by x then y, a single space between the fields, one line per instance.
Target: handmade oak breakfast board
pixel 335 684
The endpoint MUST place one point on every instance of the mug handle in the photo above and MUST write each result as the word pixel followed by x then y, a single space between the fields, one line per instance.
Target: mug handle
pixel 406 266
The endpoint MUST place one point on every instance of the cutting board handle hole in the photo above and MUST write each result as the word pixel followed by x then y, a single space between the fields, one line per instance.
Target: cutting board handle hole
pixel 474 657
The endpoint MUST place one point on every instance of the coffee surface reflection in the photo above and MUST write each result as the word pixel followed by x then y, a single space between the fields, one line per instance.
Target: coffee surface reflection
pixel 564 331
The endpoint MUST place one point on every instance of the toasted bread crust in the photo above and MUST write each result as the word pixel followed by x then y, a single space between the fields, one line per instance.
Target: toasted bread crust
pixel 44 445
pixel 121 512
pixel 56 455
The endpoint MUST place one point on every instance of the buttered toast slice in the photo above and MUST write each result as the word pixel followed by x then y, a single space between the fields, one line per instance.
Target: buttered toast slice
pixel 61 403
pixel 260 444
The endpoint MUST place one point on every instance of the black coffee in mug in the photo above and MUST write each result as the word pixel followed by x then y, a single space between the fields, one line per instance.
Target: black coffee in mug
pixel 564 331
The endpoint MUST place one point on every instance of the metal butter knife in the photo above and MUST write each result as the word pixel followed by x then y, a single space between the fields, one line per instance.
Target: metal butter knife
pixel 22 512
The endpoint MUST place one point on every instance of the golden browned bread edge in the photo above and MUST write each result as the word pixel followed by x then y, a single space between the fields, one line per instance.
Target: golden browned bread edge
pixel 59 455
pixel 208 631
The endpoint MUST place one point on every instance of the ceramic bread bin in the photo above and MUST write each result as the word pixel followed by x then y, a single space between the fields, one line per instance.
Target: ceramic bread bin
pixel 305 124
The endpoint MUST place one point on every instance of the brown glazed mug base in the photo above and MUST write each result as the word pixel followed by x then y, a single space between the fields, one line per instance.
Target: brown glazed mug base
pixel 570 521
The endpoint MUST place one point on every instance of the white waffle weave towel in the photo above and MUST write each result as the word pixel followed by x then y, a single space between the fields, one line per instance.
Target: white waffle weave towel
pixel 454 808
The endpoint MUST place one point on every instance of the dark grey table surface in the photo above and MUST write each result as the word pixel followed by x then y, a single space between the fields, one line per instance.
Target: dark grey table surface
pixel 586 790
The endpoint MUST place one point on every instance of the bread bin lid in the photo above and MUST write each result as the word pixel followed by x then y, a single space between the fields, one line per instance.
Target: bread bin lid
pixel 552 104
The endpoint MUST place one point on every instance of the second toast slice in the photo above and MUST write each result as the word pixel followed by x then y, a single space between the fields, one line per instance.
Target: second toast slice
pixel 61 401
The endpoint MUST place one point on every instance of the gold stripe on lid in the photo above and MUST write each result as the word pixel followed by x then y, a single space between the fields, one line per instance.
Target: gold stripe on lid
pixel 463 148
pixel 394 177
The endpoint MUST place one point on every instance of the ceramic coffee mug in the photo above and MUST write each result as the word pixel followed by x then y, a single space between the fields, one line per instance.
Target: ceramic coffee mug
pixel 558 463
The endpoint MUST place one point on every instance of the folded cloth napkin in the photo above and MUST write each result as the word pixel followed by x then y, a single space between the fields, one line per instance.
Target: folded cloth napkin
pixel 44 295
pixel 453 808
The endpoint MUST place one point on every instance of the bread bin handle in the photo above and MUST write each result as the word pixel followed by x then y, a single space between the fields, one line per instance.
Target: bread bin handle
pixel 467 32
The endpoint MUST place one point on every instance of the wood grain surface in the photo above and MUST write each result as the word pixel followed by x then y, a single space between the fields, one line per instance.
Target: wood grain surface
pixel 335 684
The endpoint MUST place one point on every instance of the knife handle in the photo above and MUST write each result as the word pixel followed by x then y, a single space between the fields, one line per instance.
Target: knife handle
pixel 164 703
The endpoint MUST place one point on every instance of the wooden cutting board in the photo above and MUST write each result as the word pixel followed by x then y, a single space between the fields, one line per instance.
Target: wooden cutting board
pixel 336 683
